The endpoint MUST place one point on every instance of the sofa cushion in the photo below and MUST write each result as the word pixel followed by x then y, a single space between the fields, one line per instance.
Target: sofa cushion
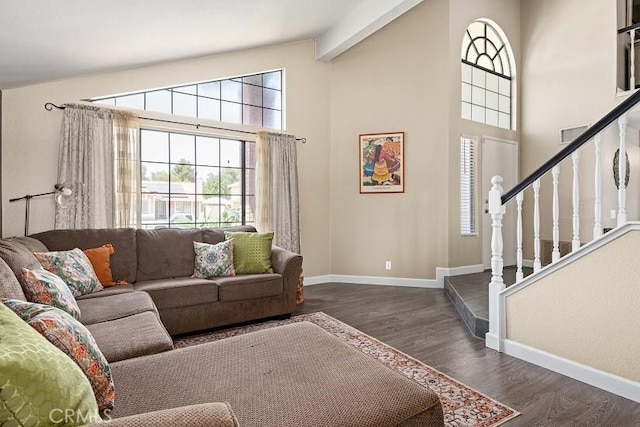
pixel 179 292
pixel 131 336
pixel 44 287
pixel 123 261
pixel 249 286
pixel 115 306
pixel 37 378
pixel 212 414
pixel 216 235
pixel 251 251
pixel 17 252
pixel 73 338
pixel 100 259
pixel 9 285
pixel 166 252
pixel 213 260
pixel 74 268
pixel 112 290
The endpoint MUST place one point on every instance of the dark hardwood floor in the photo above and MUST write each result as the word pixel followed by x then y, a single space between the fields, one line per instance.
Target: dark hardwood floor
pixel 424 324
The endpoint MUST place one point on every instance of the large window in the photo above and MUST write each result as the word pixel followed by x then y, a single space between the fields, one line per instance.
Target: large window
pixel 251 100
pixel 468 186
pixel 196 181
pixel 193 179
pixel 486 77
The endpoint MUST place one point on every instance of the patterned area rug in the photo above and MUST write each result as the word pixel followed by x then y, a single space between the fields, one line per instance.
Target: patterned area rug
pixel 462 405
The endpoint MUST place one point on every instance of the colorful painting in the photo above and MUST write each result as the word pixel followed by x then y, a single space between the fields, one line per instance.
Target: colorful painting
pixel 382 163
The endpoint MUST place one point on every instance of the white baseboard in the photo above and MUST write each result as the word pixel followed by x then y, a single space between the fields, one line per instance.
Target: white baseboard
pixel 606 381
pixel 438 282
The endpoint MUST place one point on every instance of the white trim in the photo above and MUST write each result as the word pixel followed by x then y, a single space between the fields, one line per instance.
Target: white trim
pixel 597 378
pixel 437 283
pixel 527 263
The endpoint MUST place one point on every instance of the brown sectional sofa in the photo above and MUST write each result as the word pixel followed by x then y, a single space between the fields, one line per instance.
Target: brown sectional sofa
pixel 297 375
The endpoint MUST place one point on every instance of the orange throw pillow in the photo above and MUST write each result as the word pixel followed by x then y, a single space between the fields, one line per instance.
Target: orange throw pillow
pixel 100 260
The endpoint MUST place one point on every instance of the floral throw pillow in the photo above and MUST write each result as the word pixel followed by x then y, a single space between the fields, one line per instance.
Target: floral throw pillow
pixel 75 340
pixel 213 260
pixel 43 286
pixel 74 268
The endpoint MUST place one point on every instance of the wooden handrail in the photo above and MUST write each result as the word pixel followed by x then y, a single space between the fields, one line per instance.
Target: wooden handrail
pixel 582 139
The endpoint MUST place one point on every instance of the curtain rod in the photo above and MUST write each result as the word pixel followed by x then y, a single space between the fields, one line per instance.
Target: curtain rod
pixel 49 106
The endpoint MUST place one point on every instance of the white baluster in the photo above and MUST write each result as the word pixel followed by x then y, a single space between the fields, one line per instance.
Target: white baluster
pixel 632 60
pixel 519 274
pixel 555 254
pixel 575 242
pixel 597 206
pixel 622 171
pixel 496 209
pixel 536 226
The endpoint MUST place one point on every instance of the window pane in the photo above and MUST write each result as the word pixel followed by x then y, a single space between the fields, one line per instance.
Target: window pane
pixel 231 91
pixel 252 95
pixel 230 153
pixel 252 115
pixel 131 101
pixel 250 154
pixel 478 96
pixel 479 77
pixel 208 179
pixel 184 105
pixel 504 104
pixel 466 111
pixel 208 108
pixel 485 62
pixel 272 119
pixel 249 210
pixel 273 80
pixel 505 121
pixel 107 101
pixel 492 82
pixel 212 90
pixel 155 177
pixel 154 146
pixel 191 89
pixel 256 79
pixel 492 117
pixel 208 150
pixel 182 148
pixel 273 99
pixel 477 114
pixel 159 101
pixel 492 100
pixel 466 92
pixel 505 87
pixel 231 112
pixel 466 73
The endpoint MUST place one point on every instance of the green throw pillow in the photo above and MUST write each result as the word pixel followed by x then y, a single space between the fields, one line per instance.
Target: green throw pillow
pixel 39 384
pixel 251 251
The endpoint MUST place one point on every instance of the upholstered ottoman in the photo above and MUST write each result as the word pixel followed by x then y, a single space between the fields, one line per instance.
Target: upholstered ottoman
pixel 293 375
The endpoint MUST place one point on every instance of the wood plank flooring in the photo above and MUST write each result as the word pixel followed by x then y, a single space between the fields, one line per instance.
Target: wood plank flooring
pixel 424 324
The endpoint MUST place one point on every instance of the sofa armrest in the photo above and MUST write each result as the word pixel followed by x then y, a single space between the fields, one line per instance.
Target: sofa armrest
pixel 215 414
pixel 289 266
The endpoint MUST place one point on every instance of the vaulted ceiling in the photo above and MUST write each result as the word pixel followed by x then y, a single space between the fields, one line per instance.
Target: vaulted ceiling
pixel 50 40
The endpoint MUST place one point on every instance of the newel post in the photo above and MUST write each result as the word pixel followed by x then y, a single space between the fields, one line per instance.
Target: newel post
pixel 494 337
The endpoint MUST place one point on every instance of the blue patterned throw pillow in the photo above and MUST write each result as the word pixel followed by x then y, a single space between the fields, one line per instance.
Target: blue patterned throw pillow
pixel 213 260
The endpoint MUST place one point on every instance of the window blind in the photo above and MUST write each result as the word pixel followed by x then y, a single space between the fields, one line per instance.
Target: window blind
pixel 467 186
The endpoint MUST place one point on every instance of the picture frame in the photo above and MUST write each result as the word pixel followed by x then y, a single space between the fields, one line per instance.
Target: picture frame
pixel 382 163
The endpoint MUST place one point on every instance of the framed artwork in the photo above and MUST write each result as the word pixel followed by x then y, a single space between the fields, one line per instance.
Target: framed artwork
pixel 382 163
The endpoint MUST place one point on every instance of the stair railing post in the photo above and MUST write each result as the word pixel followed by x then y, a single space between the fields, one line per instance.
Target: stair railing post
pixel 622 171
pixel 597 205
pixel 537 265
pixel 494 337
pixel 575 242
pixel 519 273
pixel 632 59
pixel 555 254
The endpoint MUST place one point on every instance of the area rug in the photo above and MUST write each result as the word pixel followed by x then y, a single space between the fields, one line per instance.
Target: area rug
pixel 462 405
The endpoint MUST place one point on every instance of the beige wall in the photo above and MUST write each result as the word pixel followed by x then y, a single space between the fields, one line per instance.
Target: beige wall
pixel 590 310
pixel 568 79
pixel 30 133
pixel 467 250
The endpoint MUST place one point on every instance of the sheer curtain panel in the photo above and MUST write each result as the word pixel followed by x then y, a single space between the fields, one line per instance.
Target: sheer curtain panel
pixel 126 129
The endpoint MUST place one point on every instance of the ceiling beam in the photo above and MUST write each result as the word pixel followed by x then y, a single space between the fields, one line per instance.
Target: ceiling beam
pixel 367 18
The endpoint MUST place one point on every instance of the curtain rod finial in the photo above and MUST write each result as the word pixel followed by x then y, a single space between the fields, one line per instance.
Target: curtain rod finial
pixel 50 106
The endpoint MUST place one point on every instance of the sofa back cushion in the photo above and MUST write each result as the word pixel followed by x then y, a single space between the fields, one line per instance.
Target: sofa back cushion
pixel 216 235
pixel 166 252
pixel 17 252
pixel 123 261
pixel 9 286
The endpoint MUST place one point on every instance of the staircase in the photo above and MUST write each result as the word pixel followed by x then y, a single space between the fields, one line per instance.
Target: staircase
pixel 508 316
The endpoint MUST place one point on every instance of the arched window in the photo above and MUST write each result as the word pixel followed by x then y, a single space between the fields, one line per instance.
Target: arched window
pixel 486 76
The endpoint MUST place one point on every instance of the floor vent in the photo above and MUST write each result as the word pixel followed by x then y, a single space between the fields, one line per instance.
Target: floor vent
pixel 569 134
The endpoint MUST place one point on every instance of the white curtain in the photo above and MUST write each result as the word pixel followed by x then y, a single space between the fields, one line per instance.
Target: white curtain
pixel 86 162
pixel 277 204
pixel 127 169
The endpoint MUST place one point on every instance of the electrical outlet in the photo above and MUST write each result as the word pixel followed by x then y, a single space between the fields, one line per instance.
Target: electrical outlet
pixel 613 213
pixel 387 265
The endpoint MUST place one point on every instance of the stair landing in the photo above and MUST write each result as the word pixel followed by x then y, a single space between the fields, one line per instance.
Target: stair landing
pixel 469 293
